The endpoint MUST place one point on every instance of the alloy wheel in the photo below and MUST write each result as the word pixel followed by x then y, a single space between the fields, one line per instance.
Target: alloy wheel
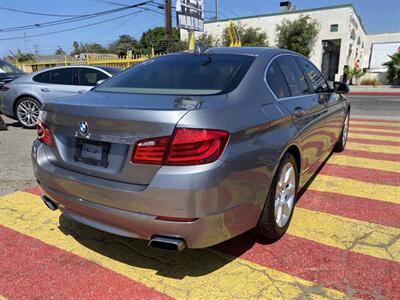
pixel 285 194
pixel 28 112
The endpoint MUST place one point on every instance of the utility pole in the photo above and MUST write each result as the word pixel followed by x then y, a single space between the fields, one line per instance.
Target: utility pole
pixel 168 26
pixel 216 10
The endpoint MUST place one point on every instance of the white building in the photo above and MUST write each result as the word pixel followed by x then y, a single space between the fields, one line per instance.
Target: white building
pixel 341 40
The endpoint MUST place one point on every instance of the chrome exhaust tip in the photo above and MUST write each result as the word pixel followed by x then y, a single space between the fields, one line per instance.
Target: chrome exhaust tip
pixel 167 243
pixel 49 203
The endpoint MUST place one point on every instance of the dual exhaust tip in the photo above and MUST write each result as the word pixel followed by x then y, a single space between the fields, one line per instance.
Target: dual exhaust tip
pixel 158 242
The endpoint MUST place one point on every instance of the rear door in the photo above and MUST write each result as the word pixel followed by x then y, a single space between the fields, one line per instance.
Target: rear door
pixel 61 83
pixel 307 111
pixel 88 78
pixel 330 100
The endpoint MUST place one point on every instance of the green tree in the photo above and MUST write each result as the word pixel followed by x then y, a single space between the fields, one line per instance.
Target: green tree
pixel 87 48
pixel 207 39
pixel 155 38
pixel 124 43
pixel 393 68
pixel 249 36
pixel 353 73
pixel 298 35
pixel 22 57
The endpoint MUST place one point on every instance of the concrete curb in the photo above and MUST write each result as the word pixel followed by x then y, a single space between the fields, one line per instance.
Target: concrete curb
pixel 374 93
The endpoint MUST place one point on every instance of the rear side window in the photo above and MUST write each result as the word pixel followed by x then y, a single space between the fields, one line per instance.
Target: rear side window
pixel 183 73
pixel 62 76
pixel 294 75
pixel 317 81
pixel 89 77
pixel 277 82
pixel 42 77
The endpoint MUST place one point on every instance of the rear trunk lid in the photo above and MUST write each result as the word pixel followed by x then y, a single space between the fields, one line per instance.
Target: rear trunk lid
pixel 114 122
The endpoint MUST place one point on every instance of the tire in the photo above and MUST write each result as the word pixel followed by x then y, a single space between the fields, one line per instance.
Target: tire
pixel 270 225
pixel 27 111
pixel 341 143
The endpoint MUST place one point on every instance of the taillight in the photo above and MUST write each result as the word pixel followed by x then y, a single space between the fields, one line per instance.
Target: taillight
pixel 150 151
pixel 44 134
pixel 185 147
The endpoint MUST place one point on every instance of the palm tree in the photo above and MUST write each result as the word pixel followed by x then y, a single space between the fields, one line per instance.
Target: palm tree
pixel 393 68
pixel 353 73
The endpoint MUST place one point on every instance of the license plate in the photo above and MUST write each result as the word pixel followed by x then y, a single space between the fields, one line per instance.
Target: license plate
pixel 92 152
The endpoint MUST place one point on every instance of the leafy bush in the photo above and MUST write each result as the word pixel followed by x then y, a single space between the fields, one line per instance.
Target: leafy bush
pixel 353 73
pixel 371 81
pixel 298 35
pixel 393 68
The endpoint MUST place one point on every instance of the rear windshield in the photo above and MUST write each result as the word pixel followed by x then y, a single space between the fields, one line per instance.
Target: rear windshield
pixel 183 73
pixel 7 68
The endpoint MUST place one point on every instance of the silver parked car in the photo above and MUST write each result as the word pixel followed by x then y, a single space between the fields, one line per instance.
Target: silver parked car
pixel 23 97
pixel 191 149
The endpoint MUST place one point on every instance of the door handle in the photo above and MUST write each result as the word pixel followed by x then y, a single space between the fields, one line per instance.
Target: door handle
pixel 45 90
pixel 298 111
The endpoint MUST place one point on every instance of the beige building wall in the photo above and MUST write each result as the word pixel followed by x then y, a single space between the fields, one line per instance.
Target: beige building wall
pixel 350 34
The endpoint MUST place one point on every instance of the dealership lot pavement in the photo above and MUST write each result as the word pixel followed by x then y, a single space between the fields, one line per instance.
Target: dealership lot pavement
pixel 344 240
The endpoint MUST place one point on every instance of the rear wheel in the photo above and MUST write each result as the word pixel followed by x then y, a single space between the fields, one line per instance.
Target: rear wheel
pixel 278 208
pixel 27 111
pixel 341 143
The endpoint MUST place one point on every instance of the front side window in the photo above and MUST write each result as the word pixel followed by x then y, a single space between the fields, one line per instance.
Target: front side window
pixel 317 81
pixel 294 75
pixel 43 77
pixel 62 76
pixel 90 77
pixel 183 73
pixel 277 82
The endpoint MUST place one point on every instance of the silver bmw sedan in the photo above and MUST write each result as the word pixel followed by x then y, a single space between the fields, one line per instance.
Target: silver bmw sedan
pixel 193 148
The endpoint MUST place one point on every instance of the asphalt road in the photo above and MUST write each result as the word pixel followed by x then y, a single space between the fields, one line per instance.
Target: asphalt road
pixel 15 143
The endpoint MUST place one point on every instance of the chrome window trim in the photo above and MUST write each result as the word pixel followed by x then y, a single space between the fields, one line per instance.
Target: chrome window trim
pixel 267 69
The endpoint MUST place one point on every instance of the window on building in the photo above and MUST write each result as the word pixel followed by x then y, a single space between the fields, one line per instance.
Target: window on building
pixel 277 82
pixel 334 28
pixel 294 75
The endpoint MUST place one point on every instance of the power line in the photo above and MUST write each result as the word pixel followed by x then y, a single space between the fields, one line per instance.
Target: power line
pixel 36 13
pixel 70 29
pixel 70 20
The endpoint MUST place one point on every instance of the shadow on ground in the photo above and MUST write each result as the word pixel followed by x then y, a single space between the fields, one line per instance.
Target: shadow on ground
pixel 189 262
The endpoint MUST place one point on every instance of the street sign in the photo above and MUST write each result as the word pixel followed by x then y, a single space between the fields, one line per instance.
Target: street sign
pixel 190 14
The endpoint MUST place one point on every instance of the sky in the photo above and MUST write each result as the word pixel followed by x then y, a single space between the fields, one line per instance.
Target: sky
pixel 376 15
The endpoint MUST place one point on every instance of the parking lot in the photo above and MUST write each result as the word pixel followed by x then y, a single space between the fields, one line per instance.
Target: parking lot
pixel 343 242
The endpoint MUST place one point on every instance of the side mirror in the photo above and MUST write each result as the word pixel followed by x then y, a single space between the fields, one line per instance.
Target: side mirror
pixel 341 87
pixel 100 81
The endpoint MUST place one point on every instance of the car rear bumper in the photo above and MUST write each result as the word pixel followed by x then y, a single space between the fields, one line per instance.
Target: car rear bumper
pixel 220 212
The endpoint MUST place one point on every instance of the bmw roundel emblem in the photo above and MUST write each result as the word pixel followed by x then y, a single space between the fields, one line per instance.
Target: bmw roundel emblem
pixel 83 127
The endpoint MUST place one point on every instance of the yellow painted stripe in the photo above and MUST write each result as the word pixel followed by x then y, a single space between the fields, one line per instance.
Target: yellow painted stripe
pixel 373 148
pixel 374 137
pixel 375 123
pixel 356 188
pixel 349 234
pixel 197 274
pixel 360 162
pixel 2 298
pixel 358 129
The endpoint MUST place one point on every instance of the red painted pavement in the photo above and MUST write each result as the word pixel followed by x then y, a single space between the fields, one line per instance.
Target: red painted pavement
pixel 352 126
pixel 358 208
pixel 366 276
pixel 360 131
pixel 31 269
pixel 395 142
pixel 362 174
pixel 375 120
pixel 371 155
